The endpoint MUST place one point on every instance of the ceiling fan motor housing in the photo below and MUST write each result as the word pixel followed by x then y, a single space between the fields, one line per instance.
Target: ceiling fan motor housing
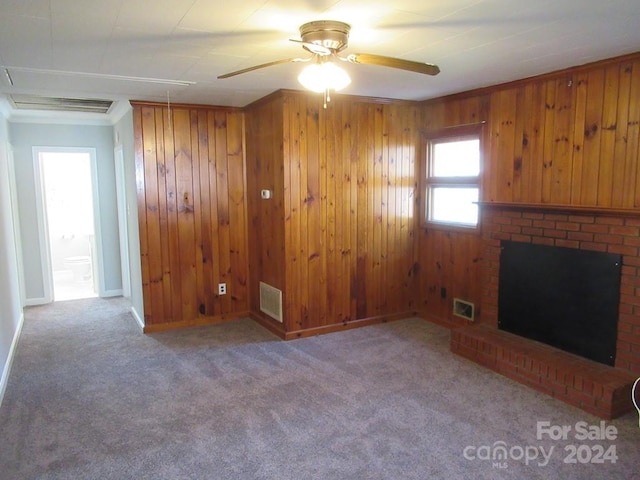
pixel 324 39
pixel 327 33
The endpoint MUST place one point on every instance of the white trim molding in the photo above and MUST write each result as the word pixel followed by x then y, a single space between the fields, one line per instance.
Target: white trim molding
pixel 12 351
pixel 111 293
pixel 137 318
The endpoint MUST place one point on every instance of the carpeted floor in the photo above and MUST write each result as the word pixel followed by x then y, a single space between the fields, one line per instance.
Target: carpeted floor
pixel 91 397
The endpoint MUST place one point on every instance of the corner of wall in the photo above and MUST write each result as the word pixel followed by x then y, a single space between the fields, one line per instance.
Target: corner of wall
pixel 9 362
pixel 124 137
pixel 137 317
pixel 11 315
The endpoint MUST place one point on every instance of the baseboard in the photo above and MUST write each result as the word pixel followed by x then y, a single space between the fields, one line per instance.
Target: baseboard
pixel 33 302
pixel 274 327
pixel 444 322
pixel 137 317
pixel 279 330
pixel 7 366
pixel 196 322
pixel 111 293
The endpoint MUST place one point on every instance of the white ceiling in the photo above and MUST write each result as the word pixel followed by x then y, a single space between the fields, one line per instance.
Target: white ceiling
pixel 136 49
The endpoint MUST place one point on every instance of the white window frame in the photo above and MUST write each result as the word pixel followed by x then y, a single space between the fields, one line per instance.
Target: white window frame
pixel 431 182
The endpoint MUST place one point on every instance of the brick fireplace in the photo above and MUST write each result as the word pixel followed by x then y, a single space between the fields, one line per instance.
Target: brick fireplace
pixel 599 389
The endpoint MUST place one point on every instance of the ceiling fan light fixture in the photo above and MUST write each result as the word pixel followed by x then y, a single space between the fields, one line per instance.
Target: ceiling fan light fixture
pixel 323 76
pixel 325 39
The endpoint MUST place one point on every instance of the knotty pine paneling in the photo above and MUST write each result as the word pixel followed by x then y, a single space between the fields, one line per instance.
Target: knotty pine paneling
pixel 192 213
pixel 265 171
pixel 350 209
pixel 341 236
pixel 344 182
pixel 570 138
pixel 448 260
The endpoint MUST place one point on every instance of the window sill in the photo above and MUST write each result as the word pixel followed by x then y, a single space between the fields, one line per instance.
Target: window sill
pixel 449 227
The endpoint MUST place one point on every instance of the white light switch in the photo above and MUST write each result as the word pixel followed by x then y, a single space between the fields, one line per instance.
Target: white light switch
pixel 265 194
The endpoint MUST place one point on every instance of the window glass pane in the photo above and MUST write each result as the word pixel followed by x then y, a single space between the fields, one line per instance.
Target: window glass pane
pixel 460 158
pixel 454 205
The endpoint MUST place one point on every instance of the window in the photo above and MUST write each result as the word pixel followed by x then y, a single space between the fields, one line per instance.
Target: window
pixel 452 177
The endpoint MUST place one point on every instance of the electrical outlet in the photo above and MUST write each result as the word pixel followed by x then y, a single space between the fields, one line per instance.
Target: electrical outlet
pixel 222 289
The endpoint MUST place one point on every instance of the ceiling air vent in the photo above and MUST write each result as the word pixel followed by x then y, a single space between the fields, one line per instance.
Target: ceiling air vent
pixel 59 104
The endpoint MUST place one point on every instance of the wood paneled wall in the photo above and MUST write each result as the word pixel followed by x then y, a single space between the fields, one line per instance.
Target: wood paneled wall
pixel 265 171
pixel 570 138
pixel 192 213
pixel 449 259
pixel 351 208
pixel 341 236
pixel 348 207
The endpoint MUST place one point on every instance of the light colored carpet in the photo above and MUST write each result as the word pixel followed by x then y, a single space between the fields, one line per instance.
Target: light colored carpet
pixel 91 397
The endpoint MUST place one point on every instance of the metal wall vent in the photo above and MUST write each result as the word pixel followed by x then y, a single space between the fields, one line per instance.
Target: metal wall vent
pixel 271 301
pixel 60 104
pixel 463 309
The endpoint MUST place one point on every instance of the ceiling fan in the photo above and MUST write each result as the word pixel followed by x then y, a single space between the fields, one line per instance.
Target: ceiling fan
pixel 325 39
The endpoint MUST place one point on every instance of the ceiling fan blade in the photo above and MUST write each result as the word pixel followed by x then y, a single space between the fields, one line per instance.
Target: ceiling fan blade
pixel 371 59
pixel 313 47
pixel 263 65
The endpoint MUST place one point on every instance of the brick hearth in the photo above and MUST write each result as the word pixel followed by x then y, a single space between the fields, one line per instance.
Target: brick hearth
pixel 596 388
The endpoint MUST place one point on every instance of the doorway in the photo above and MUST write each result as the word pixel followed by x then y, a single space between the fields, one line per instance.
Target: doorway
pixel 69 221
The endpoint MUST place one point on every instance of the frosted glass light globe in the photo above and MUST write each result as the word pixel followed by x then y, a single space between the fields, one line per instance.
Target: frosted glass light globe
pixel 320 77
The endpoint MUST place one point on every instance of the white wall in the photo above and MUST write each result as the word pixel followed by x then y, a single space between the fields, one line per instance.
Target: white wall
pixel 10 303
pixel 123 136
pixel 25 136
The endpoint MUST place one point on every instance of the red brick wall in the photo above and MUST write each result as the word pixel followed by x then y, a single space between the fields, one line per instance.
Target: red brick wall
pixel 614 234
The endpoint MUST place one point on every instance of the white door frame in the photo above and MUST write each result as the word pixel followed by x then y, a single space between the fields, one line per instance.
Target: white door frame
pixel 41 212
pixel 123 215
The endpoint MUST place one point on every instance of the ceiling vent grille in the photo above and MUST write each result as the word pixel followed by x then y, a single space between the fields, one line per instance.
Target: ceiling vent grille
pixel 60 104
